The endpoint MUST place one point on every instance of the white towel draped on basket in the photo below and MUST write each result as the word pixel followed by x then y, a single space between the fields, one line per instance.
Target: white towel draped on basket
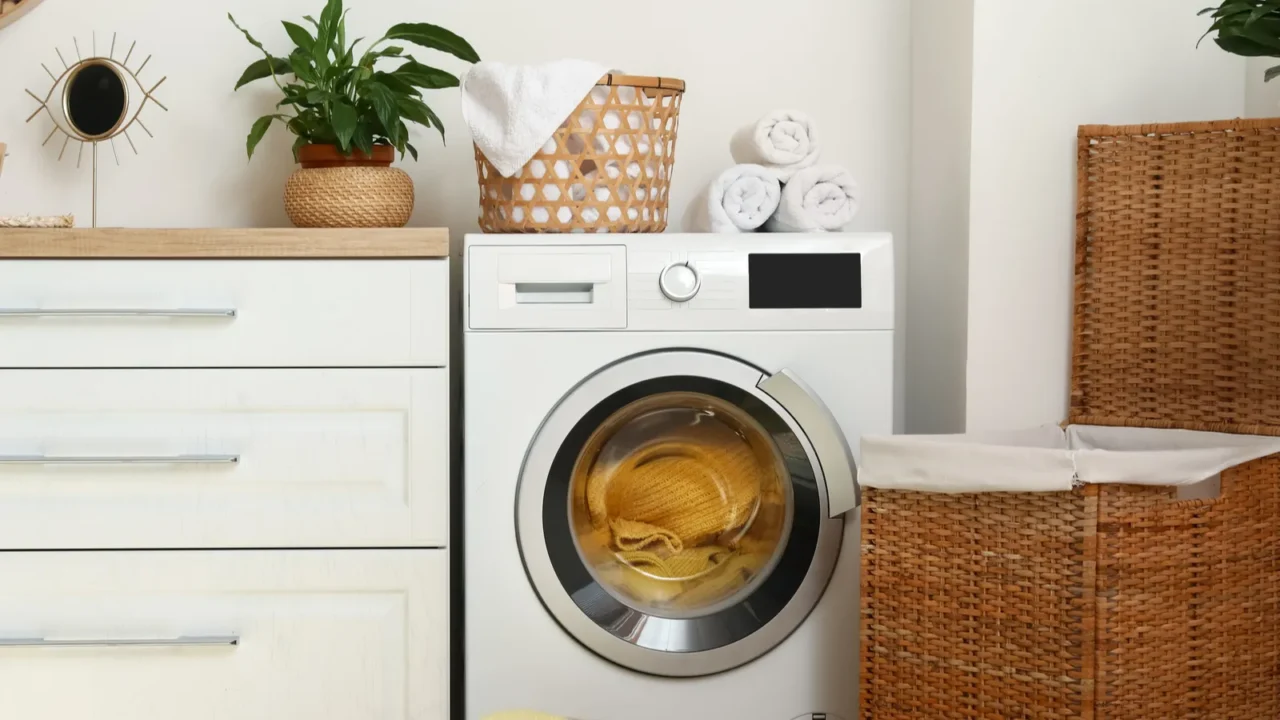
pixel 512 110
pixel 817 199
pixel 783 141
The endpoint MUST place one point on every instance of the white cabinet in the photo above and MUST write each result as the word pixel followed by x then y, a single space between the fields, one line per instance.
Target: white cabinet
pixel 223 313
pixel 318 635
pixel 224 458
pixel 224 479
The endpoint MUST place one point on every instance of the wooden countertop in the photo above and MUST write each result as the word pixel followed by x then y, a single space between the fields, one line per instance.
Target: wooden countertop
pixel 215 243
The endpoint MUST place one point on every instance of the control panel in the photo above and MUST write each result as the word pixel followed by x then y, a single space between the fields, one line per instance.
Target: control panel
pixel 677 282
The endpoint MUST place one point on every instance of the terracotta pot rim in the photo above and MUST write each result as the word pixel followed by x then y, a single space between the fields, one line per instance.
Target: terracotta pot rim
pixel 327 156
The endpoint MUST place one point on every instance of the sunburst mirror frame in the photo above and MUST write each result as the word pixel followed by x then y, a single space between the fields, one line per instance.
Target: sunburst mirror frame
pixel 62 121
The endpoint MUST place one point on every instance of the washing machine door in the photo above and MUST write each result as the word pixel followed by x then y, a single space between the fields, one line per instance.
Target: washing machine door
pixel 679 512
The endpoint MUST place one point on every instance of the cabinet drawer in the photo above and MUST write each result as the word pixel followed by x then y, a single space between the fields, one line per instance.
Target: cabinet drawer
pixel 223 313
pixel 254 635
pixel 223 458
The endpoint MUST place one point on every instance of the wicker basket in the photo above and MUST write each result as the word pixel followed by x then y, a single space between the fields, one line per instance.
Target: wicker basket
pixel 1115 602
pixel 349 197
pixel 607 169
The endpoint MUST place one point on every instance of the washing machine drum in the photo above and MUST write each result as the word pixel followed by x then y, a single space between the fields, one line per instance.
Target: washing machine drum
pixel 676 524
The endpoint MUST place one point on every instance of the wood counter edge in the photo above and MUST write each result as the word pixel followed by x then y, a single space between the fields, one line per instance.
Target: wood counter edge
pixel 222 243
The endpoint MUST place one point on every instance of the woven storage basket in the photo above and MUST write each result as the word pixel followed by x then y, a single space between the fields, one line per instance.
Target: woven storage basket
pixel 607 169
pixel 1115 602
pixel 349 197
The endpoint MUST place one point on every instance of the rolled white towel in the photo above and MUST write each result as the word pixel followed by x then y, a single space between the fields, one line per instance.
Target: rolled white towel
pixel 784 141
pixel 818 199
pixel 741 199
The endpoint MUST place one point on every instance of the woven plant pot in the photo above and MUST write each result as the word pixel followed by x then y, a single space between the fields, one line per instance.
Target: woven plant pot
pixel 607 168
pixel 334 191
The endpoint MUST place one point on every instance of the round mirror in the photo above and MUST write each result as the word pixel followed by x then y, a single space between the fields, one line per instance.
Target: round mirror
pixel 95 99
pixel 11 10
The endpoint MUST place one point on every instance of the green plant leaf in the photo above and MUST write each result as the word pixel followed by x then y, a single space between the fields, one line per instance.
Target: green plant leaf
pixel 1261 36
pixel 263 69
pixel 414 110
pixel 363 139
pixel 435 123
pixel 412 151
pixel 340 42
pixel 329 18
pixel 344 119
pixel 318 96
pixel 247 36
pixel 402 137
pixel 425 76
pixel 298 144
pixel 257 132
pixel 373 56
pixel 311 20
pixel 398 85
pixel 435 38
pixel 303 68
pixel 1271 73
pixel 1266 8
pixel 1243 46
pixel 299 35
pixel 384 104
pixel 349 56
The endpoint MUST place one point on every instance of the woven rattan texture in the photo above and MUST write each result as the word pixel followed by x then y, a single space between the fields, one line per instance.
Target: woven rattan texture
pixel 972 605
pixel 1178 277
pixel 1115 602
pixel 607 169
pixel 349 197
pixel 1189 600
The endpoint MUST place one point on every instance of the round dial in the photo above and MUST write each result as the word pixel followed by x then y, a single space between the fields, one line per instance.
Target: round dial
pixel 679 282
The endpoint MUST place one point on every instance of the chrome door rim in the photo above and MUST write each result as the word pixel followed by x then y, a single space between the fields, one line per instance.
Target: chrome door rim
pixel 531 531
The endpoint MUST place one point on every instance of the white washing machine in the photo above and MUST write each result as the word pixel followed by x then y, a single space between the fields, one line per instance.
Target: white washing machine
pixel 660 496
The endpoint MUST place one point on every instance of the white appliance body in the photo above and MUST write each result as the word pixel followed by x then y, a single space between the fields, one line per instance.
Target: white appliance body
pixel 554 326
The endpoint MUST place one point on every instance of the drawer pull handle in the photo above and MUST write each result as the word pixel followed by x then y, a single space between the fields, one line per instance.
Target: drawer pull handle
pixel 212 313
pixel 197 641
pixel 120 460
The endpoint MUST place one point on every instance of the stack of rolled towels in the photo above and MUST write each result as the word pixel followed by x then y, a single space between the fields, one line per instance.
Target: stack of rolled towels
pixel 779 185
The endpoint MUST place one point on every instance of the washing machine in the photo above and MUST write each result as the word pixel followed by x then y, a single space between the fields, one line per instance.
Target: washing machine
pixel 660 497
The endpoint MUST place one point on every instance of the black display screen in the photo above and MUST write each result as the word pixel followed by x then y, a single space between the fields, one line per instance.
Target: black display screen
pixel 804 280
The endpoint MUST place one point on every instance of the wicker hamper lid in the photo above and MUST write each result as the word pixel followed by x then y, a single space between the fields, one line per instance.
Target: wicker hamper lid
pixel 1177 277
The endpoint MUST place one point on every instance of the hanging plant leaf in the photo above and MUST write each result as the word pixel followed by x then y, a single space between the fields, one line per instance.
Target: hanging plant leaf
pixel 435 38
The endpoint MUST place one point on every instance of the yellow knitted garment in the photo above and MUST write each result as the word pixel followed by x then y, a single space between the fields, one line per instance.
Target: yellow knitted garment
pixel 692 488
pixel 678 505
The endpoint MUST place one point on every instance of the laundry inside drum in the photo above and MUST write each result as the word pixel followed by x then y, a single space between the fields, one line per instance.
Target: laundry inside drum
pixel 681 504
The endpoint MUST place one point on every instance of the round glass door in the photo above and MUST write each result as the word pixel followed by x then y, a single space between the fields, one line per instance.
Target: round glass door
pixel 673 517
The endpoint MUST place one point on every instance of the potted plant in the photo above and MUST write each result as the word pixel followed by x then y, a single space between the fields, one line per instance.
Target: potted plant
pixel 350 113
pixel 1250 28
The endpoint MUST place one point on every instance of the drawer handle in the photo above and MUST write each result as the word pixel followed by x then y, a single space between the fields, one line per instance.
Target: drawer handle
pixel 211 313
pixel 196 641
pixel 119 460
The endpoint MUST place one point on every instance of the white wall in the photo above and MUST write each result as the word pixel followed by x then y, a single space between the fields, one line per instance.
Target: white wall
pixel 844 61
pixel 1040 70
pixel 1262 99
pixel 848 68
pixel 938 254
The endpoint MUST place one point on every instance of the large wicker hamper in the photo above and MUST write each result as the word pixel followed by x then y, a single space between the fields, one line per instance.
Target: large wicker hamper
pixel 1115 602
